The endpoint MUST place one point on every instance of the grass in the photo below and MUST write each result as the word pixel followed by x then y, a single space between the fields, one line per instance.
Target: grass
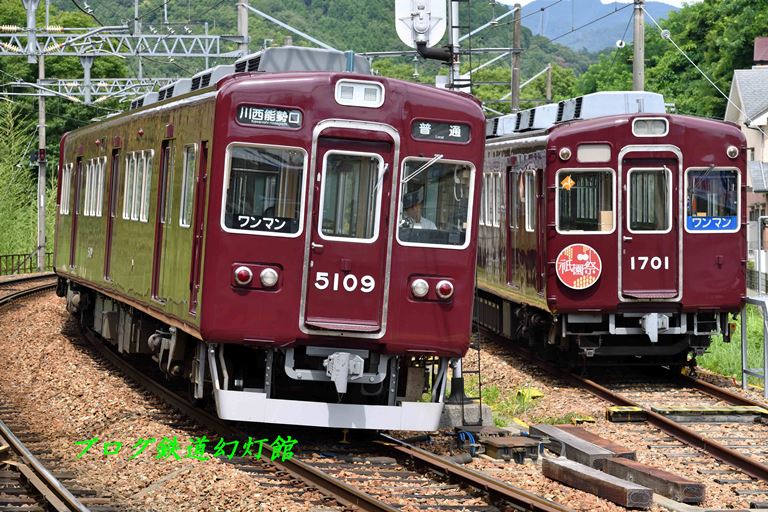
pixel 725 358
pixel 504 405
pixel 18 185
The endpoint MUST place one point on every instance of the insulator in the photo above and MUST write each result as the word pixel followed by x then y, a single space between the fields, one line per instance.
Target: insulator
pixel 11 47
pixel 10 28
pixel 54 28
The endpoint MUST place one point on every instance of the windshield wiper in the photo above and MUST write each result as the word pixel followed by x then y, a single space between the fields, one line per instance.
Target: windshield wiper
pixel 406 179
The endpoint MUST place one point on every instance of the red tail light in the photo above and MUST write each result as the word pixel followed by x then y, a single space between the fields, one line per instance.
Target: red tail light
pixel 243 276
pixel 444 289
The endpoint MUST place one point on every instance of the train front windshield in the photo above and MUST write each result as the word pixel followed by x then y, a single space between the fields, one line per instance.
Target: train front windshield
pixel 435 203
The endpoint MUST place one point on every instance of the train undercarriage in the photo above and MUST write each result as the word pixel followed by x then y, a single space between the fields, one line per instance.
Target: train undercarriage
pixel 642 338
pixel 313 385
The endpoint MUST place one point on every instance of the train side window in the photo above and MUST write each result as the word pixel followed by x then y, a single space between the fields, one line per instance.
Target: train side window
pixel 514 196
pixel 585 201
pixel 114 183
pixel 188 185
pixel 66 184
pixel 530 200
pixel 102 164
pixel 138 182
pixel 435 203
pixel 87 189
pixel 649 202
pixel 484 200
pixel 498 191
pixel 130 177
pixel 712 203
pixel 263 191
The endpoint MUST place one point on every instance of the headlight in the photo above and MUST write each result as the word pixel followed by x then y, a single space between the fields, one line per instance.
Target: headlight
pixel 419 288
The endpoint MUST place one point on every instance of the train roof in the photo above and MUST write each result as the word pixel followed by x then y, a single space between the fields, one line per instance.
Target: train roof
pixel 270 60
pixel 589 106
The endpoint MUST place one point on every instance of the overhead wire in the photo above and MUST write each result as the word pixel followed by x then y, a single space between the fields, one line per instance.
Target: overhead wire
pixel 666 34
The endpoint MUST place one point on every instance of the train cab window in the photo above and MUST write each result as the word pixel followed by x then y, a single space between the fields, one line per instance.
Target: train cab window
pixel 712 200
pixel 530 201
pixel 435 202
pixel 263 192
pixel 649 205
pixel 585 201
pixel 350 197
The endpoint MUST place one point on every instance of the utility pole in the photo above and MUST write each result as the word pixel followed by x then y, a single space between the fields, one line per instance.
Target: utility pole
pixel 453 42
pixel 516 55
pixel 242 25
pixel 638 61
pixel 549 83
pixel 41 171
pixel 31 7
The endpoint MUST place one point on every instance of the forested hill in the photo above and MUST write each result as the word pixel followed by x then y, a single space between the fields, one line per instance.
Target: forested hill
pixel 359 25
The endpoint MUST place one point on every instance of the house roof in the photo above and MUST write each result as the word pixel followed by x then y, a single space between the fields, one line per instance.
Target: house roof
pixel 758 171
pixel 761 50
pixel 752 85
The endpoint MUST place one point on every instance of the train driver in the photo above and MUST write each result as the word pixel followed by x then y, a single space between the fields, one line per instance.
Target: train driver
pixel 412 205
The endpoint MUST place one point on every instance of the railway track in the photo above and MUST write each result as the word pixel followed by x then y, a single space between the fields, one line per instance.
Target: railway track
pixel 741 446
pixel 26 482
pixel 385 474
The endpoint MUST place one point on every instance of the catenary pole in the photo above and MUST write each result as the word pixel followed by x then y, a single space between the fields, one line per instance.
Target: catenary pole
pixel 638 61
pixel 516 56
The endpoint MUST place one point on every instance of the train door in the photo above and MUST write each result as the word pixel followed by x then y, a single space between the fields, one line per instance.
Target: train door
pixel 163 215
pixel 112 208
pixel 75 211
pixel 513 200
pixel 650 230
pixel 199 227
pixel 349 236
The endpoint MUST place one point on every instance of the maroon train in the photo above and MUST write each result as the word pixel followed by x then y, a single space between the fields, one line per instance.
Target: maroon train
pixel 301 231
pixel 612 230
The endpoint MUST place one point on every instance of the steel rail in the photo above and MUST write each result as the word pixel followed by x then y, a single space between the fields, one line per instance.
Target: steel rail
pixel 718 392
pixel 496 489
pixel 685 435
pixel 39 477
pixel 23 293
pixel 327 484
pixel 50 488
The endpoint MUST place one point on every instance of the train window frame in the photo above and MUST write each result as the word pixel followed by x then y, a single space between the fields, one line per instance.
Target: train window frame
pixel 302 192
pixel 377 205
pixel 668 172
pixel 529 197
pixel 470 204
pixel 130 177
pixel 512 197
pixel 484 201
pixel 498 194
pixel 100 191
pixel 66 184
pixel 87 189
pixel 581 170
pixel 738 173
pixel 138 181
pixel 186 204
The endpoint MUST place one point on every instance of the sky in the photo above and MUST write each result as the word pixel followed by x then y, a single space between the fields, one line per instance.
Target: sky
pixel 676 3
